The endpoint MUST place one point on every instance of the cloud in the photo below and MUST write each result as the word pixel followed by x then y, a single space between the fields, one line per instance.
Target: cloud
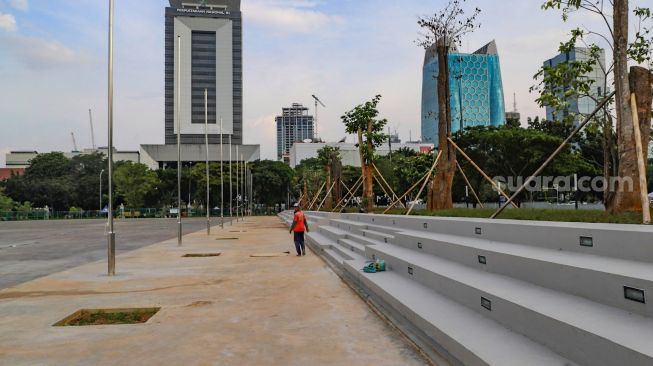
pixel 293 16
pixel 7 22
pixel 19 4
pixel 37 53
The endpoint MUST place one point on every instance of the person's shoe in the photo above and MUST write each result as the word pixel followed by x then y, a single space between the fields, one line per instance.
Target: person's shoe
pixel 303 253
pixel 299 255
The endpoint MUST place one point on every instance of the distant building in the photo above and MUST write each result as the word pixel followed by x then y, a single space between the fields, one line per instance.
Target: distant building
pixel 476 91
pixel 293 125
pixel 203 50
pixel 21 159
pixel 349 152
pixel 6 173
pixel 585 104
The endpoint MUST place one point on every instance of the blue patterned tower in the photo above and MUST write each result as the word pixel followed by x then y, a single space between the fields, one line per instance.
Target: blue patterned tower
pixel 476 91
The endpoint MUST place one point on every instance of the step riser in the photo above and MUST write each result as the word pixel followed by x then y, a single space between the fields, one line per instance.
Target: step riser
pixel 562 338
pixel 598 286
pixel 351 248
pixel 626 242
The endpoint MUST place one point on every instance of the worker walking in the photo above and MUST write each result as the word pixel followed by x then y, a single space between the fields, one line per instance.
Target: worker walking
pixel 299 225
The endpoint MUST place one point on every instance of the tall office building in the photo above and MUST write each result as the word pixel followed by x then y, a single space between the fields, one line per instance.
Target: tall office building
pixel 293 125
pixel 585 104
pixel 203 50
pixel 210 34
pixel 475 86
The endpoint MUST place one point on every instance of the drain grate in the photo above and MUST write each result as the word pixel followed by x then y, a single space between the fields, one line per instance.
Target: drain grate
pixel 269 255
pixel 201 255
pixel 226 238
pixel 85 317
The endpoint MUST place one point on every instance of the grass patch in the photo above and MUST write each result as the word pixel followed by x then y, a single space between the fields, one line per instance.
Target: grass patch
pixel 540 214
pixel 85 317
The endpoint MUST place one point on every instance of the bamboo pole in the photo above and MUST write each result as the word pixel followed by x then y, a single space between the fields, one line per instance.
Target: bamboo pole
pixel 428 176
pixel 316 196
pixel 554 154
pixel 326 195
pixel 494 184
pixel 394 195
pixel 641 167
pixel 469 185
pixel 343 202
pixel 407 192
pixel 350 193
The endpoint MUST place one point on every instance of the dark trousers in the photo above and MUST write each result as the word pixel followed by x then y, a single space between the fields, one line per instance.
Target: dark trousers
pixel 299 242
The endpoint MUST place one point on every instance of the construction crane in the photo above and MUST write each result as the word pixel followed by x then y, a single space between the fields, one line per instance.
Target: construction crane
pixel 90 117
pixel 72 134
pixel 317 100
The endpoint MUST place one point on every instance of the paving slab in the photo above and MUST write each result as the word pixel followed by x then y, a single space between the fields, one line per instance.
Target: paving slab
pixel 232 309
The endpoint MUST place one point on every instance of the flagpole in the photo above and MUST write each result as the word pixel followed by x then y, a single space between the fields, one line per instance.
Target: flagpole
pixel 206 138
pixel 237 186
pixel 221 180
pixel 179 231
pixel 111 235
pixel 231 197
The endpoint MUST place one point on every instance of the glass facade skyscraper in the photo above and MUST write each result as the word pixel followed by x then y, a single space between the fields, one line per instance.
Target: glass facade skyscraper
pixel 293 125
pixel 475 86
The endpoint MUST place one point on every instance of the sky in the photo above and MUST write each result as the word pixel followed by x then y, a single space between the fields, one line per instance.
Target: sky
pixel 53 65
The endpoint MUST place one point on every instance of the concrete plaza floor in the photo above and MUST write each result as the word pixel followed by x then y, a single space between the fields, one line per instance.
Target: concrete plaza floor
pixel 233 309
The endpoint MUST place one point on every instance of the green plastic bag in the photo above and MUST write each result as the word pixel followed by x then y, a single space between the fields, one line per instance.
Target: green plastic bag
pixel 380 265
pixel 370 267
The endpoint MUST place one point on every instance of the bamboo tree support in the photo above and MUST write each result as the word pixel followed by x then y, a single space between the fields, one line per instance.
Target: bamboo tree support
pixel 407 192
pixel 343 202
pixel 353 193
pixel 494 184
pixel 316 196
pixel 555 153
pixel 381 185
pixel 641 167
pixel 349 192
pixel 460 169
pixel 394 195
pixel 428 178
pixel 326 196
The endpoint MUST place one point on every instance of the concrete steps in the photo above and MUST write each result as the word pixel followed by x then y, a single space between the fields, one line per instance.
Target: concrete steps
pixel 547 316
pixel 504 292
pixel 597 278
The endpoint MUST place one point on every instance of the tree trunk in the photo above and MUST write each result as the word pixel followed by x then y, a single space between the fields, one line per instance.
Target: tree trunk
pixel 327 201
pixel 369 194
pixel 441 186
pixel 642 84
pixel 627 195
pixel 364 168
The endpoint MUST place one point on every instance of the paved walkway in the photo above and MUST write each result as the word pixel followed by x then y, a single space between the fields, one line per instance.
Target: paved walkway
pixel 226 310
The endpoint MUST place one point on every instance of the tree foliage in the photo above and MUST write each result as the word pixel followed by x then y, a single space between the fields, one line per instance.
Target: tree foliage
pixel 133 182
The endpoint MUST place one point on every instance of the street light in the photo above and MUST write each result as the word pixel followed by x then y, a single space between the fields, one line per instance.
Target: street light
pixel 179 231
pixel 101 172
pixel 111 235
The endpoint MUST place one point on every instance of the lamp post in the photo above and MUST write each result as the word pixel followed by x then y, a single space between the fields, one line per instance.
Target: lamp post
pixel 111 235
pixel 101 172
pixel 237 174
pixel 179 231
pixel 231 197
pixel 206 139
pixel 221 181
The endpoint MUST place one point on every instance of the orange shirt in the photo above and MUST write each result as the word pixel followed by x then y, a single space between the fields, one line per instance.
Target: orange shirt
pixel 299 222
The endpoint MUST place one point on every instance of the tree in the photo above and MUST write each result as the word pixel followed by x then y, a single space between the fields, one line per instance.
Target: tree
pixel 624 49
pixel 363 121
pixel 6 203
pixel 272 181
pixel 329 157
pixel 443 30
pixel 133 182
pixel 85 173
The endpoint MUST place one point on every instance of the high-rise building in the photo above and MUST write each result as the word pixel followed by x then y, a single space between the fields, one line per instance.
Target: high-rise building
pixel 203 51
pixel 203 40
pixel 293 125
pixel 475 86
pixel 584 104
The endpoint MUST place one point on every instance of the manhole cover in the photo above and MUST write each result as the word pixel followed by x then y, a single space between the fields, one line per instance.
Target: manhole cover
pixel 107 316
pixel 226 238
pixel 201 255
pixel 269 255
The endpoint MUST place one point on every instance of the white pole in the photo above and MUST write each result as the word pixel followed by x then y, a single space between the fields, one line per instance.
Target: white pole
pixel 231 197
pixel 221 181
pixel 206 139
pixel 237 188
pixel 111 237
pixel 179 230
